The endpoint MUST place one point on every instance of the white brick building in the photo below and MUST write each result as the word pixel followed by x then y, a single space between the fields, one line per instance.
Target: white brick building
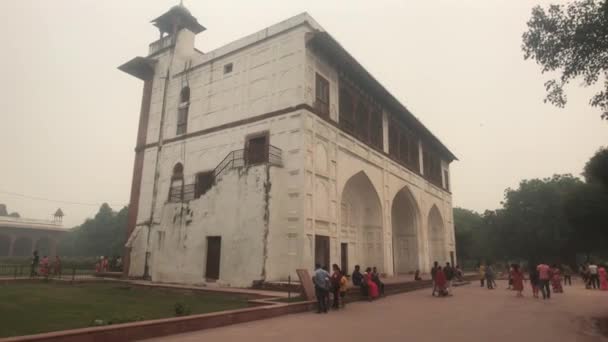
pixel 275 151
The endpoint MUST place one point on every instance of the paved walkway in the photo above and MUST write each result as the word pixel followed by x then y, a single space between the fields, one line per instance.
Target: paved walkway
pixel 473 314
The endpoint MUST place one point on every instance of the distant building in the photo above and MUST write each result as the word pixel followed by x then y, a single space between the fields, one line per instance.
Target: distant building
pixel 274 152
pixel 21 236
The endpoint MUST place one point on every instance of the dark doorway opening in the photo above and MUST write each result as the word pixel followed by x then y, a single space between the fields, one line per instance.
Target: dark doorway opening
pixel 344 257
pixel 256 149
pixel 322 250
pixel 452 258
pixel 204 182
pixel 214 249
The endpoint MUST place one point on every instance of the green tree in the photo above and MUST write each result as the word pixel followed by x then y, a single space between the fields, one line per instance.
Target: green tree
pixel 596 169
pixel 102 235
pixel 571 39
pixel 466 225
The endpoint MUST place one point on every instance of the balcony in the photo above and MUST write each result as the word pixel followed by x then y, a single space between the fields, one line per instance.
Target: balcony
pixel 161 44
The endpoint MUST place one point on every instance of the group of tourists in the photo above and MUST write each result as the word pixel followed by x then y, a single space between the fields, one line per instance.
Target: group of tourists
pixel 336 285
pixel 44 267
pixel 103 264
pixel 544 278
pixel 442 278
pixel 594 276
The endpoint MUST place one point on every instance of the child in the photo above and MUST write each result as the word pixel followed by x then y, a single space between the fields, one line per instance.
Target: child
pixel 534 281
pixel 343 288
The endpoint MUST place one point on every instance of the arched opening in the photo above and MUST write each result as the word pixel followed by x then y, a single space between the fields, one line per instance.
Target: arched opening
pixel 176 191
pixel 22 247
pixel 361 214
pixel 437 248
pixel 404 214
pixel 5 245
pixel 43 246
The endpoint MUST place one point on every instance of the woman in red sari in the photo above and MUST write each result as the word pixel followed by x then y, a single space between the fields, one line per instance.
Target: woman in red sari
pixel 441 282
pixel 556 280
pixel 517 276
pixel 603 280
pixel 372 288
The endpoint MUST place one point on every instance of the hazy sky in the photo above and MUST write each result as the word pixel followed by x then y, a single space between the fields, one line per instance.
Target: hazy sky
pixel 69 117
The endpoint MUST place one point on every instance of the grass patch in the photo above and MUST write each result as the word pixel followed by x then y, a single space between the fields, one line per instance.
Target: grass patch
pixel 43 307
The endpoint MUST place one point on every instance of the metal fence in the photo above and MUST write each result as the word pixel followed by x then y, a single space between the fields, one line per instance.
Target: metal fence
pixel 15 271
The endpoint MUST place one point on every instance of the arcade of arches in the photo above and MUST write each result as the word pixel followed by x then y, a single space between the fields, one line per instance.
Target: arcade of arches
pixel 22 242
pixel 417 239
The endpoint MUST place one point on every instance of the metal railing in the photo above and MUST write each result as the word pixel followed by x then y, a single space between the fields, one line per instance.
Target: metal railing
pixel 17 271
pixel 233 160
pixel 161 44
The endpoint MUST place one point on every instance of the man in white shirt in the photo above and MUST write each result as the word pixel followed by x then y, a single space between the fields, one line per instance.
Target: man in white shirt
pixel 593 276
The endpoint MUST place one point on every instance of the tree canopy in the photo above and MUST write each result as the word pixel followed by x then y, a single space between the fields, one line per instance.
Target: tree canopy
pixel 105 234
pixel 571 39
pixel 596 169
pixel 555 219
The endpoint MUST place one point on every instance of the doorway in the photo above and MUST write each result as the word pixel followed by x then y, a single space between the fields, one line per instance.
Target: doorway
pixel 322 250
pixel 214 249
pixel 344 258
pixel 256 149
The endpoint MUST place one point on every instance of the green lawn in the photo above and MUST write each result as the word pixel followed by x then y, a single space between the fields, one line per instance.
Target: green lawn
pixel 43 307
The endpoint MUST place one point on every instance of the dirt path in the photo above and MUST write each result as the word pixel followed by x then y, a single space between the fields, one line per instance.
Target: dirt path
pixel 472 314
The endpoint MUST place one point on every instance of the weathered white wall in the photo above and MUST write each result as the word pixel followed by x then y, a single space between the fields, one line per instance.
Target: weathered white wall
pixel 232 209
pixel 204 153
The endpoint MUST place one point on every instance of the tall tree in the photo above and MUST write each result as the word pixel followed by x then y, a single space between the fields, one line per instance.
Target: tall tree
pixel 596 169
pixel 571 39
pixel 102 235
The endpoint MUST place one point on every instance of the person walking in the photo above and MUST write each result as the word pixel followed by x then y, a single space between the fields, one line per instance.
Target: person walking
pixel 441 282
pixel 336 277
pixel 449 276
pixel 603 278
pixel 482 273
pixel 57 266
pixel 534 280
pixel 44 266
pixel 34 265
pixel 433 272
pixel 567 270
pixel 593 276
pixel 322 283
pixel 544 276
pixel 490 277
pixel 556 280
pixel 343 289
pixel 517 277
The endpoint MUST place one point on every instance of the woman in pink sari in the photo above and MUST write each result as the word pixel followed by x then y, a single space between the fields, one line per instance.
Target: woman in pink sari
pixel 518 279
pixel 603 280
pixel 44 266
pixel 372 288
pixel 556 280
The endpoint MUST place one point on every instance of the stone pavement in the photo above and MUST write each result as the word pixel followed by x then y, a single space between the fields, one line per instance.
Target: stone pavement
pixel 472 314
